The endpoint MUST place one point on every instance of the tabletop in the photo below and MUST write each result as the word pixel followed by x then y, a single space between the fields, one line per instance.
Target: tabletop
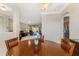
pixel 46 48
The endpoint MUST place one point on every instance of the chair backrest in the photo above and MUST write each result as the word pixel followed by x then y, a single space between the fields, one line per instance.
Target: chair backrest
pixel 67 45
pixel 42 38
pixel 11 42
pixel 72 48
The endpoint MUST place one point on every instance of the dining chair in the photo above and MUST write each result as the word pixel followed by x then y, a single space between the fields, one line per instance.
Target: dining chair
pixel 67 46
pixel 71 51
pixel 9 44
pixel 42 38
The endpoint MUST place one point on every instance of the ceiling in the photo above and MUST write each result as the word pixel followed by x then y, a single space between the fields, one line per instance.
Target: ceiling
pixel 31 12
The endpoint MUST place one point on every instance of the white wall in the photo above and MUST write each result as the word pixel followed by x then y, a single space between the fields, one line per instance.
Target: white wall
pixel 51 27
pixel 73 10
pixel 16 20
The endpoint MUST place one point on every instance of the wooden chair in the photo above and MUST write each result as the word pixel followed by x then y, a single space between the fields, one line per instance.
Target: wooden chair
pixel 67 45
pixel 9 44
pixel 72 48
pixel 42 38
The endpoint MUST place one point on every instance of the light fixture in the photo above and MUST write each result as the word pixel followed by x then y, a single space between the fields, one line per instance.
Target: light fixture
pixel 44 6
pixel 29 42
pixel 3 7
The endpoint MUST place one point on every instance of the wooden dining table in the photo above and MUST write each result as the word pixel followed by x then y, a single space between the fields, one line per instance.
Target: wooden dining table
pixel 46 48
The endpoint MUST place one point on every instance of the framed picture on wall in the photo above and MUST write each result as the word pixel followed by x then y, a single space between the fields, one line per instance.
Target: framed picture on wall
pixel 66 26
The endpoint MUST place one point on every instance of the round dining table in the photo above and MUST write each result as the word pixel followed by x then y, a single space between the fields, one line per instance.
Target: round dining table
pixel 46 48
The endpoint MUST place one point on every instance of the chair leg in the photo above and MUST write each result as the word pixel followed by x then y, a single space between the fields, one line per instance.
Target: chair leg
pixel 8 54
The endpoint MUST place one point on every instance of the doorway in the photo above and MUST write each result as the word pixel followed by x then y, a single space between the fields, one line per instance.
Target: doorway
pixel 66 26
